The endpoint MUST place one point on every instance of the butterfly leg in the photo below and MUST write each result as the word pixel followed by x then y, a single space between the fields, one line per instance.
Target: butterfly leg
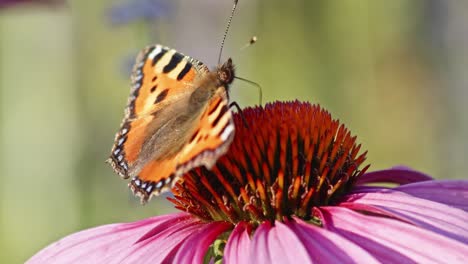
pixel 239 110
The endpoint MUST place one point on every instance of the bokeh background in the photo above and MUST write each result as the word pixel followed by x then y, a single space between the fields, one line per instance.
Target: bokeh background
pixel 393 71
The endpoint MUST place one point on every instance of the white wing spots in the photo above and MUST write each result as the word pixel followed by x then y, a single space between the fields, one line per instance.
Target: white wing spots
pixel 164 61
pixel 155 52
pixel 137 182
pixel 138 77
pixel 227 132
pixel 159 185
pixel 169 180
pixel 146 189
pixel 150 188
pixel 117 156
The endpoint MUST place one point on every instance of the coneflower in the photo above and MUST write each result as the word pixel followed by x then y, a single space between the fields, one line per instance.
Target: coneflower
pixel 291 189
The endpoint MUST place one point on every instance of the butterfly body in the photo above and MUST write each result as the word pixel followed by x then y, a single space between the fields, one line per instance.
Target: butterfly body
pixel 177 118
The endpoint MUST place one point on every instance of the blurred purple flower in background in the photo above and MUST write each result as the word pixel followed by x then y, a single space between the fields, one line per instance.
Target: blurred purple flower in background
pixel 145 12
pixel 135 10
pixel 289 190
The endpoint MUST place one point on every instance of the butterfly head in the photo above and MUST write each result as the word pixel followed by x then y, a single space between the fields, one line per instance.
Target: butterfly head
pixel 226 73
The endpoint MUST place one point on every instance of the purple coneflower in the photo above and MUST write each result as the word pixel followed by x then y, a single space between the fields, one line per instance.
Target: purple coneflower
pixel 291 189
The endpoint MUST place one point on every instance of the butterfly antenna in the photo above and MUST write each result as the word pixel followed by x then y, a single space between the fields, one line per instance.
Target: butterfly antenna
pixel 254 84
pixel 227 29
pixel 252 41
pixel 239 111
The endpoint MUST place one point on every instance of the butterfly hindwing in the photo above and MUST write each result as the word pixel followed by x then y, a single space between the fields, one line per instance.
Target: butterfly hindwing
pixel 208 141
pixel 211 138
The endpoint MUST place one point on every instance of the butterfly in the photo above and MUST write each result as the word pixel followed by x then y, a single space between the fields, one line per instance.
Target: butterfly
pixel 177 118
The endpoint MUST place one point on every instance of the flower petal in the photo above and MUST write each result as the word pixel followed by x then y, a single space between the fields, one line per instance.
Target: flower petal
pixel 324 246
pixel 398 175
pixel 292 242
pixel 113 243
pixel 195 246
pixel 277 244
pixel 393 241
pixel 160 244
pixel 238 244
pixel 437 217
pixel 450 192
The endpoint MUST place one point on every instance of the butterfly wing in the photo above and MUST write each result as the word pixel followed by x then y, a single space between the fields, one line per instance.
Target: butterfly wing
pixel 161 76
pixel 177 118
pixel 211 138
pixel 207 141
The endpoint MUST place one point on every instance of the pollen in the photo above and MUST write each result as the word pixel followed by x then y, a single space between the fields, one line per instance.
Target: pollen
pixel 286 159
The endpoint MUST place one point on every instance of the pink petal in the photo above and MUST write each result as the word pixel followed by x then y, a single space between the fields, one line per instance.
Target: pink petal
pixel 449 192
pixel 277 244
pixel 160 244
pixel 115 243
pixel 394 241
pixel 398 175
pixel 437 217
pixel 238 244
pixel 324 246
pixel 194 248
pixel 375 210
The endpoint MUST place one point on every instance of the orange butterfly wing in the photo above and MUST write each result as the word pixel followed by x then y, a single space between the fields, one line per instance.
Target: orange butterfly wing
pixel 154 86
pixel 163 82
pixel 211 138
pixel 207 143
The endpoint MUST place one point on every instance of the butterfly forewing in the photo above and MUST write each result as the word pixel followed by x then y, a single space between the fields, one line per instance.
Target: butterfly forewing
pixel 176 119
pixel 161 76
pixel 153 88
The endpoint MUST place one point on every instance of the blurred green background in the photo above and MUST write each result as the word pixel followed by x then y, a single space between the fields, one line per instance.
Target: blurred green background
pixel 393 71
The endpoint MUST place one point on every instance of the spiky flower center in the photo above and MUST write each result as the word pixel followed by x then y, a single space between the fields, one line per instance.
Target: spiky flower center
pixel 286 159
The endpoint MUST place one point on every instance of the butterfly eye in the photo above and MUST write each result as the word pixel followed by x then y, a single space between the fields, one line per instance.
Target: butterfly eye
pixel 225 76
pixel 226 72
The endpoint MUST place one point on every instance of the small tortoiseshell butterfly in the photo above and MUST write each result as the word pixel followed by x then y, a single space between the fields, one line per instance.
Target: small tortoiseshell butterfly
pixel 177 118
